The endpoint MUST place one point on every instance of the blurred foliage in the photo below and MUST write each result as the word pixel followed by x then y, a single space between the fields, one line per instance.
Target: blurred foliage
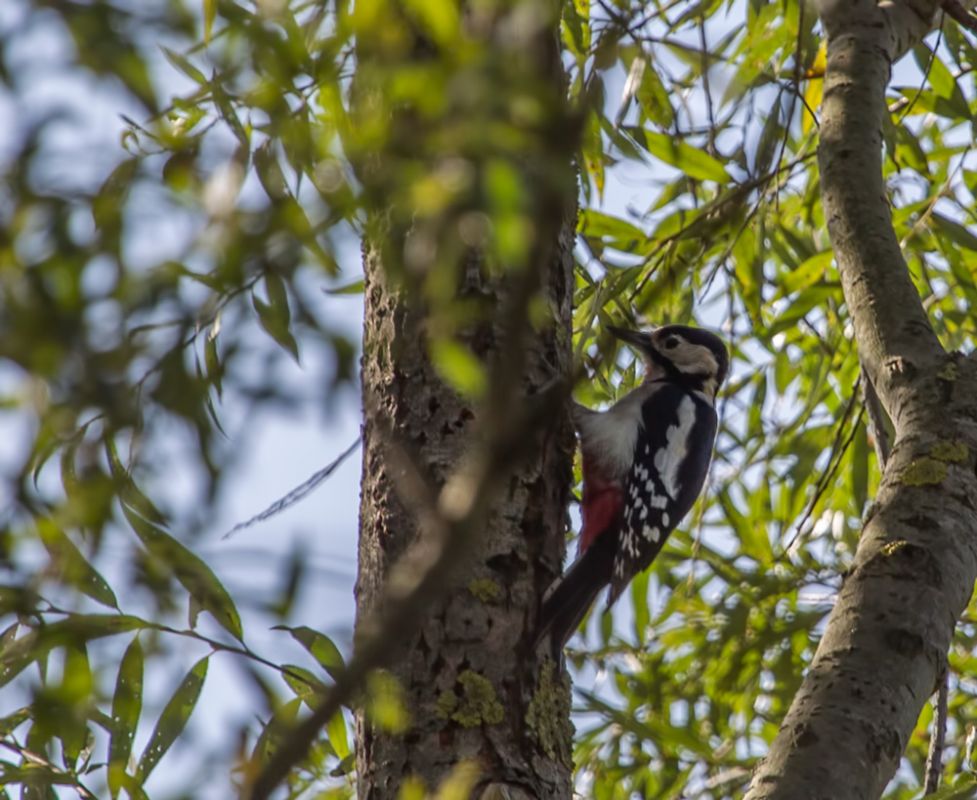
pixel 148 292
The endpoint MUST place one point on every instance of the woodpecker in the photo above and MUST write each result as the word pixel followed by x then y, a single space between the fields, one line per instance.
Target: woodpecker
pixel 645 460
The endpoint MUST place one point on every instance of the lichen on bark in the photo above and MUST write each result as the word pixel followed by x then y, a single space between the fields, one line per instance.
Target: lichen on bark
pixel 548 715
pixel 476 702
pixel 485 589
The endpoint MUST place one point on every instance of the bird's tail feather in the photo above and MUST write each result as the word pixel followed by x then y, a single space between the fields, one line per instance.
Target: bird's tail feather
pixel 567 601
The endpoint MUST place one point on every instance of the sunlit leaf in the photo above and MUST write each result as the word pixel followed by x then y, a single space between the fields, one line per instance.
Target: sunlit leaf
pixel 173 719
pixel 126 709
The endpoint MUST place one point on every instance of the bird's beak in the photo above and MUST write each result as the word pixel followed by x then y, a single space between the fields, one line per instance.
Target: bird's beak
pixel 639 339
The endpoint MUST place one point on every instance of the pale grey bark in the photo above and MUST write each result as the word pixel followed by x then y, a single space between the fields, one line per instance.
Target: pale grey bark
pixel 884 650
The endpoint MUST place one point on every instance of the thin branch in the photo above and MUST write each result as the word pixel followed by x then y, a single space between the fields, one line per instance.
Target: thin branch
pixel 934 759
pixel 711 142
pixel 877 419
pixel 63 777
pixel 960 13
pixel 296 494
pixel 926 74
pixel 838 449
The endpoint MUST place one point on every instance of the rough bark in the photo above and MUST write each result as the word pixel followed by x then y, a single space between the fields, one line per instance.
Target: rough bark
pixel 884 649
pixel 473 690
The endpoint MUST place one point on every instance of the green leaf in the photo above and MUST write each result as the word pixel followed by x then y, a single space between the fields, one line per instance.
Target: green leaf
pixel 281 723
pixel 456 364
pixel 355 287
pixel 653 99
pixel 173 719
pixel 75 692
pixel 941 79
pixel 126 709
pixel 320 646
pixel 275 316
pixel 75 629
pixel 270 172
pixel 191 571
pixel 107 205
pixel 621 233
pixel 183 64
pixel 439 19
pixel 962 787
pixel 693 161
pixel 336 731
pixel 14 720
pixel 131 495
pixel 210 13
pixel 304 683
pixel 806 273
pixel 72 564
pixel 955 232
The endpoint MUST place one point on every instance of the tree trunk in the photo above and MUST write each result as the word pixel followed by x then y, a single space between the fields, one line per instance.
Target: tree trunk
pixel 884 650
pixel 473 690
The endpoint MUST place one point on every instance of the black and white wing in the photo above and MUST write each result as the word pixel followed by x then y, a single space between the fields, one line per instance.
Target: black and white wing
pixel 671 460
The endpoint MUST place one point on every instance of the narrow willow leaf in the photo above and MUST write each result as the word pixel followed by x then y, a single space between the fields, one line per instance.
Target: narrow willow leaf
pixel 108 202
pixel 76 628
pixel 955 232
pixel 275 321
pixel 210 13
pixel 182 64
pixel 14 720
pixel 654 100
pixel 807 273
pixel 320 646
pixel 356 287
pixel 190 570
pixel 280 723
pixel 173 719
pixel 130 493
pixel 814 90
pixel 963 787
pixel 72 565
pixel 693 161
pixel 126 709
pixel 336 731
pixel 304 683
pixel 270 172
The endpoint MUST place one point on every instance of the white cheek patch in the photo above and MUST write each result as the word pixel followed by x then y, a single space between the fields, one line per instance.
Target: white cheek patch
pixel 696 360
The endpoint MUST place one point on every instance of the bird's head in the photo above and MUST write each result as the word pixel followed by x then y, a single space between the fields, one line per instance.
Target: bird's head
pixel 693 356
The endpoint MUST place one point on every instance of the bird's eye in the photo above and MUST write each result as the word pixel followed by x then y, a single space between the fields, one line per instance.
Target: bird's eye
pixel 671 343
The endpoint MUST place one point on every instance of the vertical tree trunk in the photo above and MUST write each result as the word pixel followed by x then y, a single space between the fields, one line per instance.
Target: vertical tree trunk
pixel 473 690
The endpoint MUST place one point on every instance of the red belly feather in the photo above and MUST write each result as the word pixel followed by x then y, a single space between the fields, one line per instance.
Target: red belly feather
pixel 601 504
